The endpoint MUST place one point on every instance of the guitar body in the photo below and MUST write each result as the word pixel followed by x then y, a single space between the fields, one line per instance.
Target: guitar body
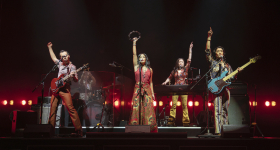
pixel 216 85
pixel 57 84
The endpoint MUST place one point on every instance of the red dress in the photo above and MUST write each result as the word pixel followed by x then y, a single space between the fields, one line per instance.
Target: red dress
pixel 147 110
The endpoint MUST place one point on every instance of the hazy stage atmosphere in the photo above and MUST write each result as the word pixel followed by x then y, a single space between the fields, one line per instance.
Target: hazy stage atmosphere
pixel 96 32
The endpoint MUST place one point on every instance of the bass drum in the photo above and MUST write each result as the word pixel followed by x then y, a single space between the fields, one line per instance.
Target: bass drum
pixel 92 114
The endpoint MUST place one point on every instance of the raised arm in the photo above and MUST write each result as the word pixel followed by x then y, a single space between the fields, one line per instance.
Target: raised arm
pixel 151 84
pixel 208 43
pixel 51 52
pixel 134 54
pixel 190 52
pixel 210 33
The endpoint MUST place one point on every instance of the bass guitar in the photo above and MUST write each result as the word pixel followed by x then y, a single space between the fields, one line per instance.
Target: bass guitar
pixel 58 83
pixel 216 85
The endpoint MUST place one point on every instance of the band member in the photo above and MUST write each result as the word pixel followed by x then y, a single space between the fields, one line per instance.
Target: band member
pixel 148 116
pixel 180 73
pixel 65 67
pixel 87 82
pixel 222 100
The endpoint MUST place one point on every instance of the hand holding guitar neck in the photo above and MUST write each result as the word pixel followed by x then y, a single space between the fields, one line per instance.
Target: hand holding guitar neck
pixel 216 85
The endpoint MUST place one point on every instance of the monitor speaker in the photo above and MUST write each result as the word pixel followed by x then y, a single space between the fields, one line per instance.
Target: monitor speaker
pixel 235 131
pixel 137 129
pixel 20 119
pixel 38 131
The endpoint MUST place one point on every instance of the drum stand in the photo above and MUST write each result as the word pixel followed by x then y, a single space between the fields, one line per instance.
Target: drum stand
pixel 164 117
pixel 193 124
pixel 255 118
pixel 98 125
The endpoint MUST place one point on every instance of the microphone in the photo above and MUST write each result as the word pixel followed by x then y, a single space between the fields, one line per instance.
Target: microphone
pixel 193 68
pixel 112 65
pixel 221 57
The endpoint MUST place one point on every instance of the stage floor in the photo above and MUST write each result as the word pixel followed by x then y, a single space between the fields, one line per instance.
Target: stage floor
pixel 114 138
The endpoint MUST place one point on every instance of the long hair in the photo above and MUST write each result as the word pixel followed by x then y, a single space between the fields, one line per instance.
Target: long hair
pixel 147 63
pixel 177 65
pixel 214 53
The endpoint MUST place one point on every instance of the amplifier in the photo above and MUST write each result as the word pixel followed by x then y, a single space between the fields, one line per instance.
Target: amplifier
pixel 238 88
pixel 46 113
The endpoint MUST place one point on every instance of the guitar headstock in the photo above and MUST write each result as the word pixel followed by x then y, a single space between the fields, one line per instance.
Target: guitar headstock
pixel 253 60
pixel 85 66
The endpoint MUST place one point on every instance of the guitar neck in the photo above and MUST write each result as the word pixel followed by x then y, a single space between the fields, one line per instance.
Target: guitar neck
pixel 236 71
pixel 68 76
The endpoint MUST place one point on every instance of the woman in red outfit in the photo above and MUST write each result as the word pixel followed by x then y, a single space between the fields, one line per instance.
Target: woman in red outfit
pixel 148 116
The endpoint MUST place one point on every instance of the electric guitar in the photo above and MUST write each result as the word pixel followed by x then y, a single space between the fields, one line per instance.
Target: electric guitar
pixel 216 85
pixel 58 83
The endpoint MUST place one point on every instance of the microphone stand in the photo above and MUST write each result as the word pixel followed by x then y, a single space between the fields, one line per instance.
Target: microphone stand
pixel 140 94
pixel 208 134
pixel 42 82
pixel 122 84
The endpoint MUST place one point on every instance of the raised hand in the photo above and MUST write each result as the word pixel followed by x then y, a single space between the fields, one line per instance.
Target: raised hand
pixel 210 32
pixel 191 45
pixel 135 39
pixel 49 44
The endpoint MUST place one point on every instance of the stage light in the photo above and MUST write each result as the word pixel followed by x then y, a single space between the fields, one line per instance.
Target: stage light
pixel 155 103
pixel 160 103
pixel 250 103
pixel 273 103
pixel 196 103
pixel 5 102
pixel 267 103
pixel 170 103
pixel 23 102
pixel 30 102
pixel 178 103
pixel 122 103
pixel 255 103
pixel 209 104
pixel 11 102
pixel 190 103
pixel 116 103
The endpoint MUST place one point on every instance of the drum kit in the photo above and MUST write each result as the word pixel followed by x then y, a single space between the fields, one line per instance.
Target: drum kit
pixel 90 101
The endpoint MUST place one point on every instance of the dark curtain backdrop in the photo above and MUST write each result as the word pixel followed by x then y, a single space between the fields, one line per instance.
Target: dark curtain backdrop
pixel 96 32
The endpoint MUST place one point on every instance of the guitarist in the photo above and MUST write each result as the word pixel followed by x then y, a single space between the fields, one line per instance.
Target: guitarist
pixel 65 67
pixel 221 100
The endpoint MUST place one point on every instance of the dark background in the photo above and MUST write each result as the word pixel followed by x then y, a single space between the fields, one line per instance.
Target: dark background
pixel 96 32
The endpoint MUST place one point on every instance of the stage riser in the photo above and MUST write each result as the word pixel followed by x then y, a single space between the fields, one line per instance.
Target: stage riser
pixel 163 143
pixel 191 131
